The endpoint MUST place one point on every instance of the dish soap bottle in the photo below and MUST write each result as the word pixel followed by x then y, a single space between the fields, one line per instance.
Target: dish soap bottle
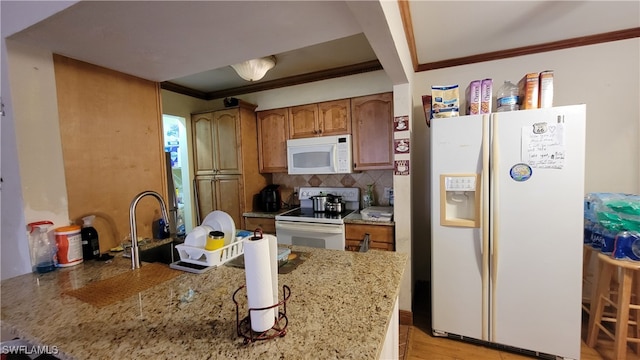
pixel 159 227
pixel 45 249
pixel 90 241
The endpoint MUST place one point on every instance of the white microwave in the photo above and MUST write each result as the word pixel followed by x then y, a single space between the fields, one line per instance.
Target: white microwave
pixel 320 155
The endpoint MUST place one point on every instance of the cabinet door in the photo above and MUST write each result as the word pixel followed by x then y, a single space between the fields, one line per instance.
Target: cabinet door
pixel 303 121
pixel 220 193
pixel 273 132
pixel 206 196
pixel 268 225
pixel 227 130
pixel 228 190
pixel 372 126
pixel 335 117
pixel 202 128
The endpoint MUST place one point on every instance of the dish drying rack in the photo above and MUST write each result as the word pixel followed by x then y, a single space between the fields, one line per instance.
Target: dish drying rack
pixel 200 256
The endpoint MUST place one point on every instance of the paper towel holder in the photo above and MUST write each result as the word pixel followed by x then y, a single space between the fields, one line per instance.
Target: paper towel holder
pixel 279 329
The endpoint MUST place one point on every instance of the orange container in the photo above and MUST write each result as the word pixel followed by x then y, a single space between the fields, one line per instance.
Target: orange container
pixel 69 242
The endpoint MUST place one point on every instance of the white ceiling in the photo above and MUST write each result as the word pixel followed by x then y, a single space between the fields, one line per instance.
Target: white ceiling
pixel 192 43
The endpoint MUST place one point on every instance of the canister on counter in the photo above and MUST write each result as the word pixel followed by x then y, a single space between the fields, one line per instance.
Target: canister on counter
pixel 69 242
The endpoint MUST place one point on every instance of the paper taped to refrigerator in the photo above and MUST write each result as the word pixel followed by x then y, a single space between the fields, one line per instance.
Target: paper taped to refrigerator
pixel 543 145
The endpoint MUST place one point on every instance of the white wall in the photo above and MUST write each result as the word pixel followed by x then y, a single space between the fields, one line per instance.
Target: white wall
pixel 340 88
pixel 606 77
pixel 16 16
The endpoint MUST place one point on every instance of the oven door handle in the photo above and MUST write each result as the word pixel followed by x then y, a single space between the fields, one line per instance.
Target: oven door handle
pixel 314 227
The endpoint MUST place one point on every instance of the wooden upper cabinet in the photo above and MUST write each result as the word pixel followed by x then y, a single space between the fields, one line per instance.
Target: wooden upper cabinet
pixel 202 125
pixel 227 138
pixel 321 119
pixel 335 117
pixel 216 138
pixel 303 121
pixel 372 129
pixel 273 132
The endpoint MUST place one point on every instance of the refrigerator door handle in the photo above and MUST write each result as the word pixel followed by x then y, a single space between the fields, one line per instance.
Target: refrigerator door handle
pixel 484 217
pixel 495 162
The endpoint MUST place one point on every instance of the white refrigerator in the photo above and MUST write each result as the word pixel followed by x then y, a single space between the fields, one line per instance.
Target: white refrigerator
pixel 507 192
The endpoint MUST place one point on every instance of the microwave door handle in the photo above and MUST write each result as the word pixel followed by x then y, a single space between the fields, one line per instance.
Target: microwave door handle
pixel 334 151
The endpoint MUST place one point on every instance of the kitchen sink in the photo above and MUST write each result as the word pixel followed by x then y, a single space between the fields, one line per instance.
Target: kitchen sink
pixel 165 253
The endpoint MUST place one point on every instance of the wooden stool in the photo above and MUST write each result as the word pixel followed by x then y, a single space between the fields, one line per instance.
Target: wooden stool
pixel 587 256
pixel 609 269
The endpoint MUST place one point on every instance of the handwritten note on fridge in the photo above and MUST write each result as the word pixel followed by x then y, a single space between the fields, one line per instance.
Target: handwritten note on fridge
pixel 543 145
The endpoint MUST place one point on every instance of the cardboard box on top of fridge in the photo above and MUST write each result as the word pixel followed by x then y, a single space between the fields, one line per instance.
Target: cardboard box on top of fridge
pixel 486 91
pixel 472 96
pixel 545 92
pixel 528 91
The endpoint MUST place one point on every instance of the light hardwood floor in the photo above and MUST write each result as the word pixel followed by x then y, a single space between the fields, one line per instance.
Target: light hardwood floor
pixel 417 343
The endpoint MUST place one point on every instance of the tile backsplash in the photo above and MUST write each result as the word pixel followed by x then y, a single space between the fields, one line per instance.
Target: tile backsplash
pixel 380 179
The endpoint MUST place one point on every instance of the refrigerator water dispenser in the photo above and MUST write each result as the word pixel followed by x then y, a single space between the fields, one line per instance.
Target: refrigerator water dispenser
pixel 460 200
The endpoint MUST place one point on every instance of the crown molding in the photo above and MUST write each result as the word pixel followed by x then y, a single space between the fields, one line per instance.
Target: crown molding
pixel 360 68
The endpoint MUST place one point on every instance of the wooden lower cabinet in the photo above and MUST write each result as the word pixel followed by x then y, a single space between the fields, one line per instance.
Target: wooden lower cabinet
pixel 268 225
pixel 222 193
pixel 381 237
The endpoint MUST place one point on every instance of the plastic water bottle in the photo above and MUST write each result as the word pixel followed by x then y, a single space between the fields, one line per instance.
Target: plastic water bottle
pixel 45 250
pixel 507 97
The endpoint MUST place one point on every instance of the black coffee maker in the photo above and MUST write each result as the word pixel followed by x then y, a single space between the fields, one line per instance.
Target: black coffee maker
pixel 270 198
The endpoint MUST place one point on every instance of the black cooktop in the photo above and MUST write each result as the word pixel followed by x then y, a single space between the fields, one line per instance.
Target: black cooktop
pixel 309 213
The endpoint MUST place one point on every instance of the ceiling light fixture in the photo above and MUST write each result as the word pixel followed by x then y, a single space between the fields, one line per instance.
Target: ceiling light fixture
pixel 252 70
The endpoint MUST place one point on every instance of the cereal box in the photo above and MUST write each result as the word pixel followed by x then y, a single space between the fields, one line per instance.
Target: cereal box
pixel 473 98
pixel 486 91
pixel 546 89
pixel 528 91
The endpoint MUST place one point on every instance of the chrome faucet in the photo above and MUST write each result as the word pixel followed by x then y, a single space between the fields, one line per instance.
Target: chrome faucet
pixel 135 256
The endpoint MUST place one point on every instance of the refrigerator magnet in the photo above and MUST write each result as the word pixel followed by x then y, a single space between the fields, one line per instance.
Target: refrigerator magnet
pixel 520 172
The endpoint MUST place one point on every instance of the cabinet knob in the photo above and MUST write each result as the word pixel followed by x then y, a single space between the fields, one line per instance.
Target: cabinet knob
pixel 320 131
pixel 315 131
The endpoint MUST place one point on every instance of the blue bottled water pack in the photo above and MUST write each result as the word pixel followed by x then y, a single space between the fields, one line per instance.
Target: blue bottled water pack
pixel 627 246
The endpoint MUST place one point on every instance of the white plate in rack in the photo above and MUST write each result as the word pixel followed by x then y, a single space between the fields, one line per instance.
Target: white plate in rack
pixel 197 238
pixel 221 221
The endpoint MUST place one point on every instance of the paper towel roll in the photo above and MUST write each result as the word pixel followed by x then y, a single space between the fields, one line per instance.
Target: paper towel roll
pixel 273 260
pixel 257 265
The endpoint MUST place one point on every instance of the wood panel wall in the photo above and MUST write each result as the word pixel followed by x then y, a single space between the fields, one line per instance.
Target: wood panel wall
pixel 112 144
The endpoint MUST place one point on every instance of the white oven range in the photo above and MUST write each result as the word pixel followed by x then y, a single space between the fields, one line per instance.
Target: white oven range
pixel 305 227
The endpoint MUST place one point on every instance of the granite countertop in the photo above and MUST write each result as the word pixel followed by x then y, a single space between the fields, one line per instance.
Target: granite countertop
pixel 341 303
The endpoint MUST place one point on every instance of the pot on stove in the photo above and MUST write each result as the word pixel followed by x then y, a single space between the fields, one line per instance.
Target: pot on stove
pixel 334 204
pixel 334 207
pixel 319 203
